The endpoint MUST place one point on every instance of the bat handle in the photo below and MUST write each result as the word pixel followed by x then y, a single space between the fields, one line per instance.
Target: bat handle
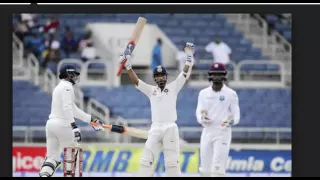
pixel 121 67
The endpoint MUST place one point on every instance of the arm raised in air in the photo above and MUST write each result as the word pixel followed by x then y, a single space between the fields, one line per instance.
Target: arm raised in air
pixel 185 74
pixel 142 86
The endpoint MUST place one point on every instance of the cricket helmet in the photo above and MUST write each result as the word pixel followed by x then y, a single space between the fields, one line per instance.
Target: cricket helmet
pixel 160 71
pixel 69 71
pixel 217 72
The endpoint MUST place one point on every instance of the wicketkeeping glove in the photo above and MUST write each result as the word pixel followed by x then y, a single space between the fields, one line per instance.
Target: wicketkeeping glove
pixel 228 122
pixel 205 121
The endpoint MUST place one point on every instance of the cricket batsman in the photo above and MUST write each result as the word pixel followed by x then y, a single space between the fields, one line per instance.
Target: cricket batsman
pixel 164 133
pixel 217 110
pixel 61 128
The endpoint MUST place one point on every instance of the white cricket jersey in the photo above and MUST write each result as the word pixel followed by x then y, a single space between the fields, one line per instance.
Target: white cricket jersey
pixel 220 52
pixel 163 104
pixel 219 105
pixel 63 107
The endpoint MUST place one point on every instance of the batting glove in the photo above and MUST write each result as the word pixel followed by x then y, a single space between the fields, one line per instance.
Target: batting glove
pixel 76 132
pixel 189 50
pixel 97 121
pixel 126 58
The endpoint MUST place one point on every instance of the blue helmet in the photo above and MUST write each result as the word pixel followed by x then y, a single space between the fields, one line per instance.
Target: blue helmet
pixel 160 71
pixel 71 72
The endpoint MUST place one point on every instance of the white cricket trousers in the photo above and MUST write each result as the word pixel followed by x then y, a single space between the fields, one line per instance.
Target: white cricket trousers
pixel 161 137
pixel 58 137
pixel 214 151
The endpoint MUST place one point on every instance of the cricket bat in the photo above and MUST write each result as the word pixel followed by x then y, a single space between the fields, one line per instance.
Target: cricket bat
pixel 133 40
pixel 131 131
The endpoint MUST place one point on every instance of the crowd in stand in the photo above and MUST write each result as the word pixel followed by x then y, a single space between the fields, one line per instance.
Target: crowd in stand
pixel 50 42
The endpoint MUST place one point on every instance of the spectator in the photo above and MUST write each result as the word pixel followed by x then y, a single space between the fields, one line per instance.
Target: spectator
pixel 51 54
pixel 21 29
pixel 89 52
pixel 52 51
pixel 85 40
pixel 52 25
pixel 69 44
pixel 52 42
pixel 221 52
pixel 29 19
pixel 35 44
pixel 181 58
pixel 156 54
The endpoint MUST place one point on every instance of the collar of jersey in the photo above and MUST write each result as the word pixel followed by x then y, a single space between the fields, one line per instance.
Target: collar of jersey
pixel 223 87
pixel 159 89
pixel 63 80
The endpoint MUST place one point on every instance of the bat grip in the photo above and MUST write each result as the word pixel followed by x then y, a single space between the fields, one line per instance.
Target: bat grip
pixel 118 129
pixel 128 51
pixel 121 67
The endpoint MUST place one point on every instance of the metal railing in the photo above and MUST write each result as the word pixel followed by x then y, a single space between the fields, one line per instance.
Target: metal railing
pixel 118 138
pixel 50 81
pixel 103 81
pixel 264 27
pixel 84 70
pixel 237 76
pixel 93 107
pixel 275 36
pixel 33 67
pixel 183 130
pixel 234 146
pixel 255 62
pixel 20 47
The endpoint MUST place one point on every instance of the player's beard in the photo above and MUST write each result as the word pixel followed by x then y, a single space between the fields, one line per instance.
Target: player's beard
pixel 161 83
pixel 75 80
pixel 217 85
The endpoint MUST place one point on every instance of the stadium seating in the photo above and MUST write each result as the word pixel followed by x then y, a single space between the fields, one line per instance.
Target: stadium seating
pixel 178 27
pixel 259 107
pixel 283 27
pixel 31 106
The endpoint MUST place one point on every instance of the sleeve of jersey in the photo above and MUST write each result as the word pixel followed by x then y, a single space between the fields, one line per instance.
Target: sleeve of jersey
pixel 144 87
pixel 235 109
pixel 208 47
pixel 180 81
pixel 67 104
pixel 199 108
pixel 79 114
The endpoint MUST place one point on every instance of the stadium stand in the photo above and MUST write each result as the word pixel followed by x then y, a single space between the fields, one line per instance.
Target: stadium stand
pixel 280 23
pixel 259 107
pixel 260 73
pixel 179 28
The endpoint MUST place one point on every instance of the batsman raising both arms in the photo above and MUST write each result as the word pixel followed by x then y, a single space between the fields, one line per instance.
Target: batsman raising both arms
pixel 61 128
pixel 164 133
pixel 217 110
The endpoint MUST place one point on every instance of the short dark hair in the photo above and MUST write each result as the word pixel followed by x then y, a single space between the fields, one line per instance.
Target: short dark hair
pixel 159 41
